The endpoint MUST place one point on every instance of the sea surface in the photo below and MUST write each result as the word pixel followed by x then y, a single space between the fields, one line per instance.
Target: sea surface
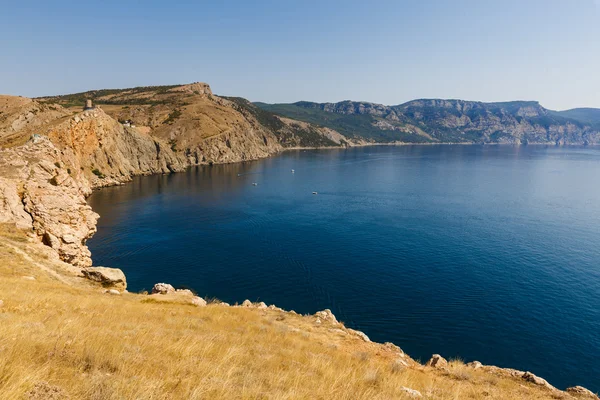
pixel 488 253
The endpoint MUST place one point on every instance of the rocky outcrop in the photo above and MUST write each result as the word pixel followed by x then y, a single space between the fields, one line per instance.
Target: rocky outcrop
pixel 163 288
pixel 52 202
pixel 437 361
pixel 529 377
pixel 108 277
pixel 582 392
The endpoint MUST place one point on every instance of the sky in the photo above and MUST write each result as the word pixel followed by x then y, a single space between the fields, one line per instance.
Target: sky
pixel 276 51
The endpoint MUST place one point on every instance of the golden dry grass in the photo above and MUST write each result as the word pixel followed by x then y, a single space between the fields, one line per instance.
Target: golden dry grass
pixel 73 341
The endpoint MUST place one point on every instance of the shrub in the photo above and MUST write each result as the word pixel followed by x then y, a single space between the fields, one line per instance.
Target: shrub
pixel 97 172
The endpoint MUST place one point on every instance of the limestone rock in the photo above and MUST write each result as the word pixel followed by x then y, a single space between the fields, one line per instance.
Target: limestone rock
pixel 393 347
pixel 437 361
pixel 474 364
pixel 411 392
pixel 581 392
pixel 261 305
pixel 108 277
pixel 247 303
pixel 113 292
pixel 326 315
pixel 529 377
pixel 359 334
pixel 185 292
pixel 163 288
pixel 198 301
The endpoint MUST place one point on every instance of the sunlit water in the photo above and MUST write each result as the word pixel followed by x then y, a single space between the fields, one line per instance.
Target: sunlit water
pixel 479 252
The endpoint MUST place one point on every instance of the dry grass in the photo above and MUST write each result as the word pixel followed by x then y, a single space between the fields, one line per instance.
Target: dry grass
pixel 70 341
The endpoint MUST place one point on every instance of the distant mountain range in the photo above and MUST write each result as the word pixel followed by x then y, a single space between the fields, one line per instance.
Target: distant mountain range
pixel 449 121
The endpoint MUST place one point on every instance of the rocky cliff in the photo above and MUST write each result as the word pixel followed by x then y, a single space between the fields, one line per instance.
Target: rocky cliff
pixel 445 121
pixel 53 155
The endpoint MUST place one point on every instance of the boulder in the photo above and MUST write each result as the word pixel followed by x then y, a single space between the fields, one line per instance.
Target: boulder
pixel 437 361
pixel 185 292
pixel 327 315
pixel 108 277
pixel 247 303
pixel 582 392
pixel 113 292
pixel 198 301
pixel 474 365
pixel 163 288
pixel 261 305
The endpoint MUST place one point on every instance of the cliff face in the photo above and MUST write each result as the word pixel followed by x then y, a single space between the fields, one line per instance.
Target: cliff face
pixel 445 121
pixel 38 194
pixel 54 156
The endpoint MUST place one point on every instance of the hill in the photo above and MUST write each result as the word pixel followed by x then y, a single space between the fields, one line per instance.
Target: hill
pixel 189 116
pixel 584 115
pixel 448 121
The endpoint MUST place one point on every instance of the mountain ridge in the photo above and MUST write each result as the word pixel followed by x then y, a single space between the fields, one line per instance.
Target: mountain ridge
pixel 450 121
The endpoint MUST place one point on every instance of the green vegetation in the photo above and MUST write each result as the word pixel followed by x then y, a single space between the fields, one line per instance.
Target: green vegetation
pixel 584 115
pixel 172 117
pixel 99 174
pixel 78 99
pixel 350 125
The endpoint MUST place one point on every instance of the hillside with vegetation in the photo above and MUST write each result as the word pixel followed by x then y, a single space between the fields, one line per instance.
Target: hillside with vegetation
pixel 188 115
pixel 449 121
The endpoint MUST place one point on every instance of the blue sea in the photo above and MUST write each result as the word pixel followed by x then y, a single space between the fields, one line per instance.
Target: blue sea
pixel 488 253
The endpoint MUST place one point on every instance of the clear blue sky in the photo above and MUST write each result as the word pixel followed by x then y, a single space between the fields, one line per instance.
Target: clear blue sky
pixel 283 51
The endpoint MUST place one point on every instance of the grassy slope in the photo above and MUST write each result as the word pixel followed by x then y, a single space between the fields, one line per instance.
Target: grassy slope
pixel 69 340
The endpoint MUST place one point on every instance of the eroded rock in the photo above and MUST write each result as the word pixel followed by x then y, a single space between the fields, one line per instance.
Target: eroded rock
pixel 163 288
pixel 108 277
pixel 198 301
pixel 326 315
pixel 529 377
pixel 437 361
pixel 247 303
pixel 474 365
pixel 580 391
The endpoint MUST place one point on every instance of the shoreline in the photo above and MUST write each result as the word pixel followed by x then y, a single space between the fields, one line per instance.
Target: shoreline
pixel 525 375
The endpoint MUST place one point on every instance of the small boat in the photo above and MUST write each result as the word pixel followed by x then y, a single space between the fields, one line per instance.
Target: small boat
pixel 254 184
pixel 293 171
pixel 239 174
pixel 315 193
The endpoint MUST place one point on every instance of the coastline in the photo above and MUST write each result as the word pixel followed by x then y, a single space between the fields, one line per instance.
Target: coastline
pixel 525 375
